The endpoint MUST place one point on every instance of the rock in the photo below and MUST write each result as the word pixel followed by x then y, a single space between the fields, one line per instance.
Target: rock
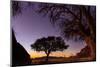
pixel 20 56
pixel 85 52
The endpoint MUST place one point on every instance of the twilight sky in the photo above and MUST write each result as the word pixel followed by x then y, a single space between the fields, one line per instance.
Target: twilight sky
pixel 30 26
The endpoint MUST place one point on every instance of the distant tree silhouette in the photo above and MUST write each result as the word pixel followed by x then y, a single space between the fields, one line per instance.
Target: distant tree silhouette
pixel 49 45
pixel 76 22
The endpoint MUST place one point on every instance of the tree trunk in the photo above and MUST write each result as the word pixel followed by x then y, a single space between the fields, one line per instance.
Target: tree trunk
pixel 92 46
pixel 91 22
pixel 47 57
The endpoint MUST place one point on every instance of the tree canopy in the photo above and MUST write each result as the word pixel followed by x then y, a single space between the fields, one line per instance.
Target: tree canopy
pixel 76 21
pixel 49 44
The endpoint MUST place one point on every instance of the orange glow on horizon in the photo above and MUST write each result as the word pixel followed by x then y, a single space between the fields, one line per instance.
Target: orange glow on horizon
pixel 35 54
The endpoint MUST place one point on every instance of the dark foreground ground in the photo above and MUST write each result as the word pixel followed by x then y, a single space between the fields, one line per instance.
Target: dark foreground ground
pixel 54 60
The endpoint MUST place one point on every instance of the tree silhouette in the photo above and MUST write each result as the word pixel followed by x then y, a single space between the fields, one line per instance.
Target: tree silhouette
pixel 18 6
pixel 76 22
pixel 49 45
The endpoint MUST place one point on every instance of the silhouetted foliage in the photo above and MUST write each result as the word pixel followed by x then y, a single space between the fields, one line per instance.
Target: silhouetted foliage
pixel 76 22
pixel 18 6
pixel 49 45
